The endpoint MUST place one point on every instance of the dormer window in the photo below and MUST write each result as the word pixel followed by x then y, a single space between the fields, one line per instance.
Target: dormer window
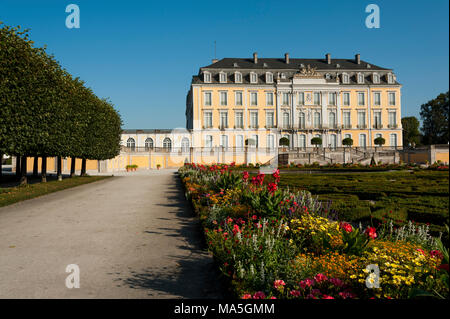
pixel 338 65
pixel 328 76
pixel 223 77
pixel 253 78
pixel 238 77
pixel 235 65
pixel 207 77
pixel 360 77
pixel 283 75
pixel 345 78
pixel 390 78
pixel 265 65
pixel 269 77
pixel 376 78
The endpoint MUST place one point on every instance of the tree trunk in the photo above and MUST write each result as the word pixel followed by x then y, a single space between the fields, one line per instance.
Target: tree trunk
pixel 18 166
pixel 44 169
pixel 83 167
pixel 23 171
pixel 35 166
pixel 1 166
pixel 72 167
pixel 58 167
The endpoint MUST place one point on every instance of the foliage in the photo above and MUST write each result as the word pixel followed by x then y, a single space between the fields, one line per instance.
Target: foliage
pixel 435 120
pixel 316 141
pixel 411 133
pixel 347 141
pixel 284 141
pixel 380 141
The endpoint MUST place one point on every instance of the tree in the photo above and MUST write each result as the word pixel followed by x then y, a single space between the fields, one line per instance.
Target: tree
pixel 347 141
pixel 379 141
pixel 435 117
pixel 284 141
pixel 411 134
pixel 316 141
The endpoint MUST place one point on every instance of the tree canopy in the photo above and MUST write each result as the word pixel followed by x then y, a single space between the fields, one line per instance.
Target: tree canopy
pixel 435 119
pixel 44 111
pixel 411 133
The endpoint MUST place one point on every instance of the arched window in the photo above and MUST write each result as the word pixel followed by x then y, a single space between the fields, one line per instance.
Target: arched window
pixel 317 120
pixel 185 144
pixel 393 140
pixel 362 140
pixel 333 141
pixel 285 119
pixel 301 119
pixel 149 144
pixel 167 144
pixel 332 119
pixel 131 144
pixel 302 141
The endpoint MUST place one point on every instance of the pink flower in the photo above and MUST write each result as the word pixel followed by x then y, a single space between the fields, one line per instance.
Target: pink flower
pixel 346 294
pixel 336 282
pixel 436 254
pixel 273 297
pixel 279 284
pixel 327 297
pixel 295 293
pixel 306 283
pixel 245 176
pixel 320 277
pixel 246 296
pixel 259 295
pixel 236 229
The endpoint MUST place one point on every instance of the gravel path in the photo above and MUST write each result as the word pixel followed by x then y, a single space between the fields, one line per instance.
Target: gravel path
pixel 131 237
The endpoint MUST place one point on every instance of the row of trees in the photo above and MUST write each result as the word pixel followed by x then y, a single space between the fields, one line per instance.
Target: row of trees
pixel 45 112
pixel 435 118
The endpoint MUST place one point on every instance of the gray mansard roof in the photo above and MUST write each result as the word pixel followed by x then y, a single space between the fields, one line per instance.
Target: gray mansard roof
pixel 145 131
pixel 294 64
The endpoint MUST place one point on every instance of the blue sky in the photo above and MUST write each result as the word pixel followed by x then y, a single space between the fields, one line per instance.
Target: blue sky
pixel 142 54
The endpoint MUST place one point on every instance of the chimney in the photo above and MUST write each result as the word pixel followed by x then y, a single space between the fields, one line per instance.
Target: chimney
pixel 358 58
pixel 286 58
pixel 255 58
pixel 328 58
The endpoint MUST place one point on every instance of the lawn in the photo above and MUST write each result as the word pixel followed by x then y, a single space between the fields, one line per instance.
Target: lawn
pixel 420 196
pixel 11 195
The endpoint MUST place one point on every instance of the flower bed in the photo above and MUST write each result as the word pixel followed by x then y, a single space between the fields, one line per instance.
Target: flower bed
pixel 274 243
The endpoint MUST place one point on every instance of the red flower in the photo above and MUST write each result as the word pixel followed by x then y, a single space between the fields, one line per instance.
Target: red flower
pixel 236 229
pixel 246 296
pixel 436 254
pixel 346 226
pixel 259 295
pixel 295 293
pixel 278 284
pixel 272 187
pixel 371 232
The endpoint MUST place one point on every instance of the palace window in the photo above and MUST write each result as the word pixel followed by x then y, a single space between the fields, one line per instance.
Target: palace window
pixel 223 98
pixel 285 98
pixel 302 141
pixel 269 99
pixel 208 98
pixel 376 78
pixel 332 98
pixel 317 121
pixel 207 119
pixel 238 98
pixel 393 140
pixel 223 119
pixel 239 141
pixel 167 144
pixel 207 77
pixel 223 77
pixel 362 140
pixel 332 119
pixel 392 119
pixel 285 120
pixel 238 77
pixel 301 120
pixel 253 77
pixel 301 98
pixel 131 144
pixel 361 119
pixel 377 98
pixel 253 98
pixel 347 121
pixel 377 119
pixel 208 141
pixel 316 98
pixel 269 77
pixel 346 98
pixel 361 99
pixel 239 119
pixel 390 78
pixel 345 78
pixel 185 144
pixel 148 144
pixel 269 119
pixel 254 119
pixel 270 141
pixel 391 98
pixel 224 141
pixel 360 77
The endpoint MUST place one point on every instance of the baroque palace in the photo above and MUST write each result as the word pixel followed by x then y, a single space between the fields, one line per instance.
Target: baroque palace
pixel 237 109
